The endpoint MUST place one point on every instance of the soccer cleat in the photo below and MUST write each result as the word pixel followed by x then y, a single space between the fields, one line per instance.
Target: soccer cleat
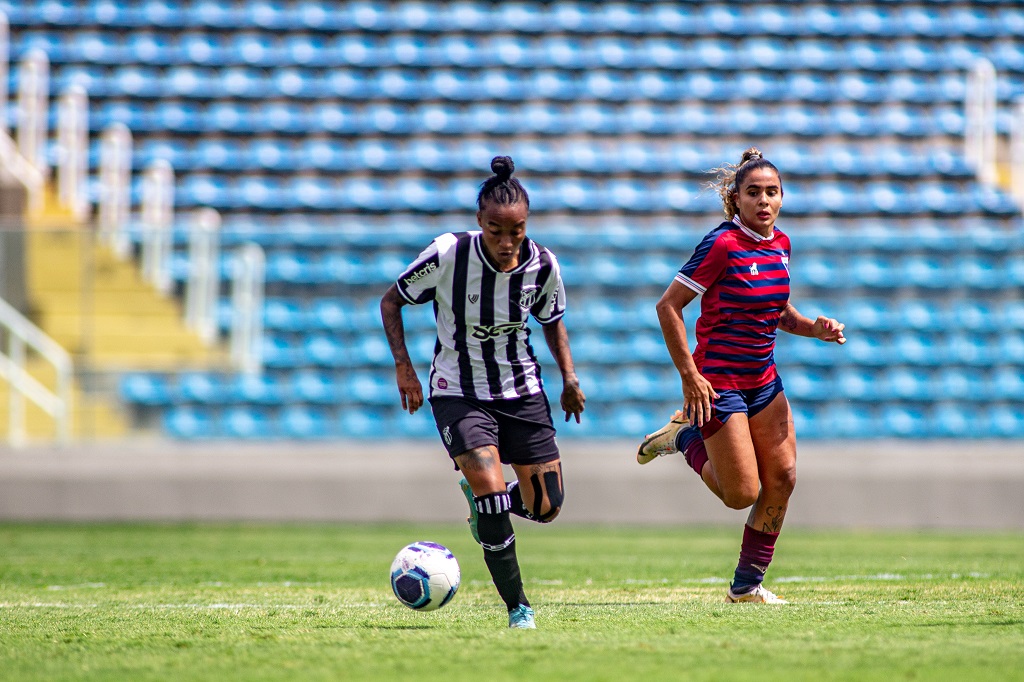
pixel 521 618
pixel 473 515
pixel 758 595
pixel 663 441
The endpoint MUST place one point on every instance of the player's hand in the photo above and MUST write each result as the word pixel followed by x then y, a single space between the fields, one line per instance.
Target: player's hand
pixel 409 387
pixel 698 398
pixel 829 330
pixel 572 399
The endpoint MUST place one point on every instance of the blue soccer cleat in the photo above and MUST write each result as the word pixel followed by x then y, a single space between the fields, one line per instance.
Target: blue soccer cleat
pixel 521 618
pixel 473 515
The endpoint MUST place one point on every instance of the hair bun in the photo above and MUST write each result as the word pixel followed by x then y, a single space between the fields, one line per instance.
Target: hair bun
pixel 751 154
pixel 502 166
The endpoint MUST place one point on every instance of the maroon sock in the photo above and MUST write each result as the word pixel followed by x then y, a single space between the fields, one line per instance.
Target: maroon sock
pixel 694 452
pixel 755 555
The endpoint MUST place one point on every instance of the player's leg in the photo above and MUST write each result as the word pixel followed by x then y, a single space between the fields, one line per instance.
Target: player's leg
pixel 731 468
pixel 470 432
pixel 771 431
pixel 537 494
pixel 528 444
pixel 490 505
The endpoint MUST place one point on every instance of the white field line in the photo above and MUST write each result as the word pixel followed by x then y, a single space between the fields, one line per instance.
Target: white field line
pixel 192 607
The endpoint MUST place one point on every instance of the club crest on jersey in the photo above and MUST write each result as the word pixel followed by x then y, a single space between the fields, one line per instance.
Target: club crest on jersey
pixel 528 296
pixel 753 269
pixel 473 298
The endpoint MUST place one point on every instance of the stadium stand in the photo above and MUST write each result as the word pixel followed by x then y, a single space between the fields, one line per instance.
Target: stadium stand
pixel 343 136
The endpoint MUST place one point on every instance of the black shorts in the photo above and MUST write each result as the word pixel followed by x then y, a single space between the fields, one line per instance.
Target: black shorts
pixel 520 428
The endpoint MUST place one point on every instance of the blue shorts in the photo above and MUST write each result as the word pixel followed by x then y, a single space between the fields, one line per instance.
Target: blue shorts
pixel 747 400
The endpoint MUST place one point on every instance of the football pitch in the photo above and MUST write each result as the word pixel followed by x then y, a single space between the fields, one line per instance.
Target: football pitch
pixel 312 602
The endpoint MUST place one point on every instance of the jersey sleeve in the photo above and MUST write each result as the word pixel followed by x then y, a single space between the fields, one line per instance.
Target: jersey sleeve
pixel 418 283
pixel 707 264
pixel 550 305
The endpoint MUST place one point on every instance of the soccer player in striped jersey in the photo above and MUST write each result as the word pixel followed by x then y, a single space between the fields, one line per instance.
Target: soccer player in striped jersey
pixel 485 382
pixel 736 428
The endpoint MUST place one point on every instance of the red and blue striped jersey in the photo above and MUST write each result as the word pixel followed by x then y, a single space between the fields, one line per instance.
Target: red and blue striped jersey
pixel 744 280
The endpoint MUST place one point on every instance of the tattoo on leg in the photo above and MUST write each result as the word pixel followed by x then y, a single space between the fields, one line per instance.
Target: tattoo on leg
pixel 477 459
pixel 775 516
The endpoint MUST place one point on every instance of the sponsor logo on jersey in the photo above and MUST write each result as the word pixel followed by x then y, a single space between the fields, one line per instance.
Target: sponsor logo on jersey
pixel 484 332
pixel 442 383
pixel 420 274
pixel 528 296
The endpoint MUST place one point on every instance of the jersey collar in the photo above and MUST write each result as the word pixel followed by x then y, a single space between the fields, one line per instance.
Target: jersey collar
pixel 527 247
pixel 750 233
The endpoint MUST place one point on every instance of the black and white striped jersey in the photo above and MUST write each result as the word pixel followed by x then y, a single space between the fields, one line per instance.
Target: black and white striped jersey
pixel 483 346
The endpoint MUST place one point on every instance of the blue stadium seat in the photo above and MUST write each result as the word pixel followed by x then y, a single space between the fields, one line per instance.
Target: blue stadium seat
pixel 362 422
pixel 146 389
pixel 188 423
pixel 200 387
pixel 951 420
pixel 253 423
pixel 851 421
pixel 325 350
pixel 262 389
pixel 315 386
pixel 908 385
pixel 853 383
pixel 808 383
pixel 305 423
pixel 923 315
pixel 905 422
pixel 282 352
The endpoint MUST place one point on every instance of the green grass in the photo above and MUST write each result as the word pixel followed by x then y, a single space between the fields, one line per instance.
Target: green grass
pixel 213 602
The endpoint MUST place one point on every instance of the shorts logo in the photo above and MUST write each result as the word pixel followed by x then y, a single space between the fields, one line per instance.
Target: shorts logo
pixel 753 269
pixel 473 298
pixel 483 332
pixel 528 296
pixel 442 383
pixel 447 435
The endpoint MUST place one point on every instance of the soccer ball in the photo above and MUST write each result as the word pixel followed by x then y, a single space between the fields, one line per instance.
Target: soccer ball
pixel 425 576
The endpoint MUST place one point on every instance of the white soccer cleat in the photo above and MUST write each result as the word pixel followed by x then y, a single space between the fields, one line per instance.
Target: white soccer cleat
pixel 758 595
pixel 663 441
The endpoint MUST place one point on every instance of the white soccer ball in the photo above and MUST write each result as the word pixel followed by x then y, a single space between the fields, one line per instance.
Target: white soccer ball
pixel 425 576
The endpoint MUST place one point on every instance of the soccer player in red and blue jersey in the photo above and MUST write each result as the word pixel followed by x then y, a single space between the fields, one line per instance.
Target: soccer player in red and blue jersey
pixel 736 427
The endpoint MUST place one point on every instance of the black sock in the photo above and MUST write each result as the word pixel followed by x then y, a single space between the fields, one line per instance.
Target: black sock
pixel 515 496
pixel 499 544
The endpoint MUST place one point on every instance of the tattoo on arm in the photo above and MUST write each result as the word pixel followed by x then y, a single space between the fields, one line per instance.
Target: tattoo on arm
pixel 788 319
pixel 394 328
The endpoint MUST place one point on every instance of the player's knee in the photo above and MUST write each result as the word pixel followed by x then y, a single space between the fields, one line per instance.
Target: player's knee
pixel 783 483
pixel 548 496
pixel 740 496
pixel 550 515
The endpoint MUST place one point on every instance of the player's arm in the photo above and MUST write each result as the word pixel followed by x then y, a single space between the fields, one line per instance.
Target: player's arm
pixel 824 328
pixel 408 383
pixel 697 391
pixel 557 338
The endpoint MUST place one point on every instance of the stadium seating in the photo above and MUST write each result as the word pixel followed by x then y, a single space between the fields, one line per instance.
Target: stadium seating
pixel 342 137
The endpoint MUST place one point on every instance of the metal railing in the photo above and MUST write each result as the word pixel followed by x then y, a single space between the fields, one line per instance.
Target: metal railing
pixel 980 121
pixel 22 334
pixel 247 293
